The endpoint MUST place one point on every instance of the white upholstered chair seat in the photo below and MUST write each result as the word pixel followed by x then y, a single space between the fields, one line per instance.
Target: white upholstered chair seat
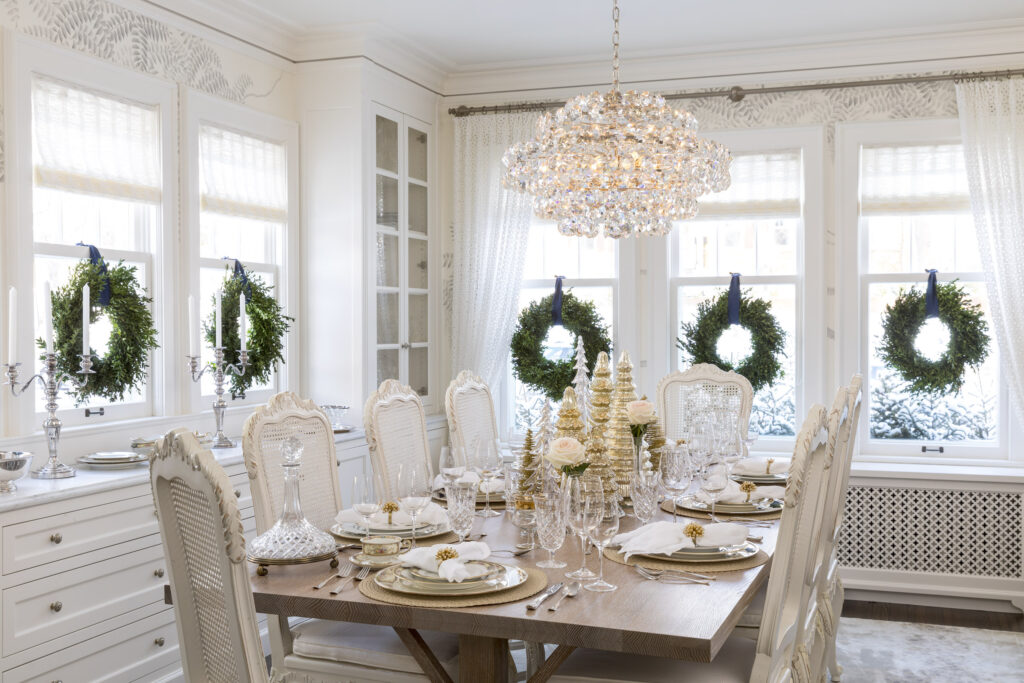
pixel 368 645
pixel 732 665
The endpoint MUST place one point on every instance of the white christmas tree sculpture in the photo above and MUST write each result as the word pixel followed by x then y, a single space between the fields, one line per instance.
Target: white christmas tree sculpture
pixel 545 431
pixel 581 383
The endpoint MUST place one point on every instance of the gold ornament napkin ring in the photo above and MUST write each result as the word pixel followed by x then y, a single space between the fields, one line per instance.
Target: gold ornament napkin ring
pixel 748 487
pixel 390 508
pixel 446 553
pixel 768 466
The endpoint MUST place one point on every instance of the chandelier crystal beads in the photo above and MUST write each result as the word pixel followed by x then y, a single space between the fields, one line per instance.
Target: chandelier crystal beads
pixel 621 163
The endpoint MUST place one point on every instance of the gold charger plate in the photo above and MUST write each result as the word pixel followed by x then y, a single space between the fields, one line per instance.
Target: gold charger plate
pixel 430 531
pixel 766 479
pixel 759 508
pixel 389 579
pixel 720 554
pixel 496 497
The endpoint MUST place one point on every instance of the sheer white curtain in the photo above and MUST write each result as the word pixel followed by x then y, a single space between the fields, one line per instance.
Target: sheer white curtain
pixel 243 176
pixel 492 226
pixel 992 125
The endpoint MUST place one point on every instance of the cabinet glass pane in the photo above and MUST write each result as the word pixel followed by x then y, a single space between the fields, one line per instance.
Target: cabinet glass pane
pixel 418 208
pixel 387 260
pixel 418 264
pixel 417 318
pixel 387 201
pixel 387 144
pixel 387 318
pixel 418 370
pixel 387 365
pixel 417 155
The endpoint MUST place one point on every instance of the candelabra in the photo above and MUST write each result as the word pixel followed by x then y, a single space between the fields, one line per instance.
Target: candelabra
pixel 53 382
pixel 221 369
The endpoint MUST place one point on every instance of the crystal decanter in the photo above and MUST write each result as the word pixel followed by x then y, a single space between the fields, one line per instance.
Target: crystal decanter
pixel 292 539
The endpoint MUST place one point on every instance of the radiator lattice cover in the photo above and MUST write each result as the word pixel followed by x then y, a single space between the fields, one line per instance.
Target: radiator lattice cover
pixel 976 533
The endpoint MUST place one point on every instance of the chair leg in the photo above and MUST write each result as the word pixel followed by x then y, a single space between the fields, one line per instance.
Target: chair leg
pixel 534 657
pixel 834 669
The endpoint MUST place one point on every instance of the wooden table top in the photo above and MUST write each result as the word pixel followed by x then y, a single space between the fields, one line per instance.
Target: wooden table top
pixel 688 622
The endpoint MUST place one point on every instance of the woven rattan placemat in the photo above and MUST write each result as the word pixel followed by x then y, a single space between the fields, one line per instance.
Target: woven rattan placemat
pixel 536 581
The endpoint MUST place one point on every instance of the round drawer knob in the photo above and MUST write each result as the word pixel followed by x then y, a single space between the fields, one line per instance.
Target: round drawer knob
pixel 159 573
pixel 56 539
pixel 159 641
pixel 56 606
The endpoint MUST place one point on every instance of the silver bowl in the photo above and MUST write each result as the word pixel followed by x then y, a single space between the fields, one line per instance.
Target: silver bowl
pixel 13 466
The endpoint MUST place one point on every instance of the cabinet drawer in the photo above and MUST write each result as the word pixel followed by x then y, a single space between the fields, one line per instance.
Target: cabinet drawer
pixel 128 653
pixel 48 608
pixel 47 539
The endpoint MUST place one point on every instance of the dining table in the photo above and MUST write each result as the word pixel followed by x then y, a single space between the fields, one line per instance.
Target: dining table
pixel 643 616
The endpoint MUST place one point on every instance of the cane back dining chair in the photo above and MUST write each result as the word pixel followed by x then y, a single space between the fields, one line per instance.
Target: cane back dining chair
pixel 781 652
pixel 470 411
pixel 683 395
pixel 396 432
pixel 201 532
pixel 315 649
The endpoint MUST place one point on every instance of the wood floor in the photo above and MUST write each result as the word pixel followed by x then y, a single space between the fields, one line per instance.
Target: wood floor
pixel 917 614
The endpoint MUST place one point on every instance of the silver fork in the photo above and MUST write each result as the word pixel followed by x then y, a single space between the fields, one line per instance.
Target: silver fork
pixel 665 578
pixel 683 572
pixel 363 573
pixel 343 572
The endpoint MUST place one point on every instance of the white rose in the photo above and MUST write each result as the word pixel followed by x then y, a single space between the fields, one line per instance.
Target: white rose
pixel 565 452
pixel 640 412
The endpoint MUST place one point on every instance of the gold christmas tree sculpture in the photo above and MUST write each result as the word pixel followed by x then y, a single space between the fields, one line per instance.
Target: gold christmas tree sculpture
pixel 655 443
pixel 527 465
pixel 618 435
pixel 569 422
pixel 597 447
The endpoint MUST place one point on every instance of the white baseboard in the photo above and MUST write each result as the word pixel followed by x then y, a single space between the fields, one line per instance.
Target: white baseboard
pixel 944 601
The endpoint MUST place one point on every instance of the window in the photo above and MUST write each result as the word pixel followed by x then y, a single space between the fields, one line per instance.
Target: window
pixel 758 228
pixel 243 214
pixel 591 273
pixel 96 178
pixel 913 213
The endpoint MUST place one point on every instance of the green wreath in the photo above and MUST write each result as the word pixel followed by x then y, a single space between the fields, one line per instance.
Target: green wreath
pixel 132 336
pixel 528 362
pixel 700 338
pixel 267 327
pixel 968 339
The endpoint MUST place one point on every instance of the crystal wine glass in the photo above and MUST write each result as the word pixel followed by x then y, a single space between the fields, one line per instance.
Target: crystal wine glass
pixel 489 463
pixel 604 515
pixel 452 463
pixel 414 492
pixel 461 499
pixel 524 516
pixel 580 519
pixel 365 500
pixel 676 474
pixel 550 528
pixel 716 478
pixel 645 489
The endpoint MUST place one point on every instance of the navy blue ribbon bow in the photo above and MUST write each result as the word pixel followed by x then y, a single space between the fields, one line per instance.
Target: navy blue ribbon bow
pixel 734 299
pixel 931 295
pixel 242 277
pixel 556 302
pixel 97 260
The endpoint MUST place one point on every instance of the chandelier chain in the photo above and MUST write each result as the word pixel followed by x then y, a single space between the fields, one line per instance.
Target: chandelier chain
pixel 615 45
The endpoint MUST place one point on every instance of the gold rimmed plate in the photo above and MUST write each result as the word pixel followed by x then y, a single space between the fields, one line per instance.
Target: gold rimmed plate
pixel 766 479
pixel 390 579
pixel 374 561
pixel 761 507
pixel 352 531
pixel 496 496
pixel 480 570
pixel 708 554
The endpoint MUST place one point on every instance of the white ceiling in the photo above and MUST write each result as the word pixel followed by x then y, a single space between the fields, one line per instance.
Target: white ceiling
pixel 464 35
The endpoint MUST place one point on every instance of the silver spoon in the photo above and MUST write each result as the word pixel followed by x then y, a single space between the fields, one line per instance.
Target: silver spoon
pixel 569 591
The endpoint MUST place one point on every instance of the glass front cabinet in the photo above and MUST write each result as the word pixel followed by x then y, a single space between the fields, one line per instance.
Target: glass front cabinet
pixel 400 239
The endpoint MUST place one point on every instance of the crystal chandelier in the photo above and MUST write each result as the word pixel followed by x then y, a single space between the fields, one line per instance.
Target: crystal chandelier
pixel 621 163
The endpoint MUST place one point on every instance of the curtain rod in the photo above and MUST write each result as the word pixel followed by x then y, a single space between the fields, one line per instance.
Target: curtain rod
pixel 736 93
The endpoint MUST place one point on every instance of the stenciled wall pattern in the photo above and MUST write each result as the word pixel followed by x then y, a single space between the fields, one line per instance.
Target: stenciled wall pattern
pixel 136 41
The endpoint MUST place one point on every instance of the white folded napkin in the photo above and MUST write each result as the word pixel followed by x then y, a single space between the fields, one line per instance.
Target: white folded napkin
pixel 733 494
pixel 753 467
pixel 432 514
pixel 664 538
pixel 454 570
pixel 493 486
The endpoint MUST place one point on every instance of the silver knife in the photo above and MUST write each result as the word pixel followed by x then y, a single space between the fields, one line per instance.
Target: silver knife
pixel 551 590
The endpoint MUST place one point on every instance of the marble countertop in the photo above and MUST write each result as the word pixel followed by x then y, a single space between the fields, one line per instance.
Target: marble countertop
pixel 32 491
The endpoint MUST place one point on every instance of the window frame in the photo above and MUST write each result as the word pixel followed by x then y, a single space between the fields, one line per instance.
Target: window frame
pixel 24 59
pixel 201 109
pixel 855 278
pixel 809 281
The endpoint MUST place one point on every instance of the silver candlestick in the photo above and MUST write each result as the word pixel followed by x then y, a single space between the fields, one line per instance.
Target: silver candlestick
pixel 53 382
pixel 221 369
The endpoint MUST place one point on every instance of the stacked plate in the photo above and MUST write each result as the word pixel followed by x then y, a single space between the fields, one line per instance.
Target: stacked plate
pixel 351 530
pixel 113 460
pixel 481 497
pixel 760 507
pixel 726 553
pixel 768 479
pixel 485 577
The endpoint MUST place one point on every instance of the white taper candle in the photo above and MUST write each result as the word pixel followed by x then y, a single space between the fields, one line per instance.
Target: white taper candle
pixel 85 320
pixel 47 317
pixel 12 325
pixel 192 332
pixel 242 320
pixel 216 321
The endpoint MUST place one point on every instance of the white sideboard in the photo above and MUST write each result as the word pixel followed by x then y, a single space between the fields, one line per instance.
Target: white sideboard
pixel 82 571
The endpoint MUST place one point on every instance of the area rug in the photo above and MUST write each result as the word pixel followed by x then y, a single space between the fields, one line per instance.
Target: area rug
pixel 875 651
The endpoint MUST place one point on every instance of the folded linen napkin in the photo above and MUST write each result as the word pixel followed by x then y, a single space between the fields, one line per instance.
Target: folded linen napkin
pixel 432 514
pixel 453 570
pixel 664 538
pixel 753 467
pixel 495 485
pixel 733 494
